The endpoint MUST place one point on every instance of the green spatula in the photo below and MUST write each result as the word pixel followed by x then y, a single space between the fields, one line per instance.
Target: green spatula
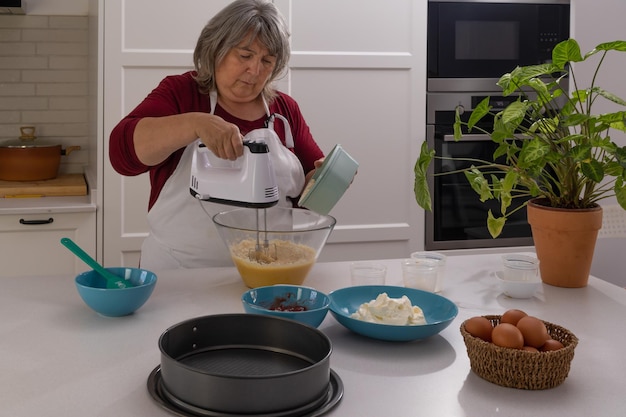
pixel 113 281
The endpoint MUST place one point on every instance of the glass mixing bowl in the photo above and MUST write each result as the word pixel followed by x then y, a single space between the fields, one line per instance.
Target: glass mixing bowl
pixel 277 245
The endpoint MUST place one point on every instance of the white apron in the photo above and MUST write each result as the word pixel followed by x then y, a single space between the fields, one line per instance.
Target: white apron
pixel 182 234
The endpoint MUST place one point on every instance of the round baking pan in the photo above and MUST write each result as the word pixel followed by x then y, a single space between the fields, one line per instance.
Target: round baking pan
pixel 245 364
pixel 177 408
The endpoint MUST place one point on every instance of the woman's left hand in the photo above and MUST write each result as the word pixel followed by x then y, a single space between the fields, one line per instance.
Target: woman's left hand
pixel 316 164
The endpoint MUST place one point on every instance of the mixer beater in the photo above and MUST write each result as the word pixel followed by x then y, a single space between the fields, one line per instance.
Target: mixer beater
pixel 262 253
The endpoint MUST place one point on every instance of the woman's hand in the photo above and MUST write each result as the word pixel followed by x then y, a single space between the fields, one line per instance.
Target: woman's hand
pixel 156 138
pixel 312 172
pixel 318 164
pixel 222 138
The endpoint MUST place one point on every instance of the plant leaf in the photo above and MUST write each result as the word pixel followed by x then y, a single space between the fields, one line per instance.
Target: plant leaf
pixel 566 51
pixel 620 192
pixel 614 169
pixel 592 169
pixel 521 77
pixel 580 152
pixel 501 150
pixel 544 125
pixel 457 125
pixel 494 225
pixel 533 152
pixel 611 46
pixel 610 96
pixel 541 88
pixel 506 185
pixel 575 119
pixel 479 184
pixel 420 187
pixel 480 111
pixel 513 115
pixel 620 155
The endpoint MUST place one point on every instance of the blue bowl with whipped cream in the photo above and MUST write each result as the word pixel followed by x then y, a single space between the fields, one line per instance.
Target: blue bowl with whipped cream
pixel 389 313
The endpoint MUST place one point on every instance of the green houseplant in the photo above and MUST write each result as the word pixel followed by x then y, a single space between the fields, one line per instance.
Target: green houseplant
pixel 551 146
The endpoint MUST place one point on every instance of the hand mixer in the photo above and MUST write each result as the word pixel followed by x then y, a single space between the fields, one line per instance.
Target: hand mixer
pixel 249 181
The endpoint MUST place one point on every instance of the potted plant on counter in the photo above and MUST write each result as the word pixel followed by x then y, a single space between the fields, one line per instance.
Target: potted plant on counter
pixel 553 151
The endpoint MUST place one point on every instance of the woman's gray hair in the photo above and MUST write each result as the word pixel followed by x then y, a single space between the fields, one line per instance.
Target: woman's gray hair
pixel 239 21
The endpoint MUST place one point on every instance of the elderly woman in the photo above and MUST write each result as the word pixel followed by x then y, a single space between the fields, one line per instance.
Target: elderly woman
pixel 238 55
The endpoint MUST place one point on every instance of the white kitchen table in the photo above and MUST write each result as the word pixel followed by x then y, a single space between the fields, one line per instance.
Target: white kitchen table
pixel 59 358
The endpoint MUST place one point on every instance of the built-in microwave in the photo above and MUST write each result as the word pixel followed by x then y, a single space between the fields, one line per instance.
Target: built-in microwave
pixel 483 39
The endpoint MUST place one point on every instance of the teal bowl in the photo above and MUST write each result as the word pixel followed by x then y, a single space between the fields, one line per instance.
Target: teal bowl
pixel 439 312
pixel 295 302
pixel 116 302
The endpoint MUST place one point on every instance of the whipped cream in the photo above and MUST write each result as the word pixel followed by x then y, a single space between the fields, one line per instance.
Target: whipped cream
pixel 386 310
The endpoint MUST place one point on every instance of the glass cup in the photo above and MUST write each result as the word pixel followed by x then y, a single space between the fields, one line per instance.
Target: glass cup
pixel 519 267
pixel 367 273
pixel 420 273
pixel 441 259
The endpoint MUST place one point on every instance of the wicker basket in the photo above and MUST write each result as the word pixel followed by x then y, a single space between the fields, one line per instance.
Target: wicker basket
pixel 517 368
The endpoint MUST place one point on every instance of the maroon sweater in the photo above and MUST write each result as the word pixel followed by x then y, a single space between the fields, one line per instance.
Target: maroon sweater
pixel 179 94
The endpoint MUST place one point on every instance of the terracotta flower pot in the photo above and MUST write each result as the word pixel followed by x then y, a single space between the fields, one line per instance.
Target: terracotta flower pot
pixel 565 240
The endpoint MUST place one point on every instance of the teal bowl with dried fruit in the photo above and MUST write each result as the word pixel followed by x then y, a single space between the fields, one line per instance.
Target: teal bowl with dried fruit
pixel 295 302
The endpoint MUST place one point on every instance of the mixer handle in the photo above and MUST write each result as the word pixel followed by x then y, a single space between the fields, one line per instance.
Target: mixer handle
pixel 255 147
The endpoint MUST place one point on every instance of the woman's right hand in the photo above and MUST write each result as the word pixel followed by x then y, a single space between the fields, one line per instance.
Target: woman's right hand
pixel 220 137
pixel 156 138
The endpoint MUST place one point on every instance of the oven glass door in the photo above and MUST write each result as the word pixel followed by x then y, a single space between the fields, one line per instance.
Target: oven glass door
pixel 459 218
pixel 486 40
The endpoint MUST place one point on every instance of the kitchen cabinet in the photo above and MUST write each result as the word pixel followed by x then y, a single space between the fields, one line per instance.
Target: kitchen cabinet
pixel 355 87
pixel 29 242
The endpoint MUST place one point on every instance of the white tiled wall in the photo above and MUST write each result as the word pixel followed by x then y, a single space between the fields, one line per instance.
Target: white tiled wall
pixel 44 81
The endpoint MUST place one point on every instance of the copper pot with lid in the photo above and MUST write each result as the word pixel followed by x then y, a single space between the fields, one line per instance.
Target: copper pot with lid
pixel 26 159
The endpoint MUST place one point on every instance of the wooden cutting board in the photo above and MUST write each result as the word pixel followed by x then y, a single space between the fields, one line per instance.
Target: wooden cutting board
pixel 63 185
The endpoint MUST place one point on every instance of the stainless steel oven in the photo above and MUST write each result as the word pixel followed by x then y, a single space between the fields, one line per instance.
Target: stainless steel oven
pixel 459 219
pixel 479 40
pixel 471 44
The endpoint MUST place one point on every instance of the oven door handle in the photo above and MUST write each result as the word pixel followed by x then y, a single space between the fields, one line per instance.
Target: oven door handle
pixel 476 137
pixel 480 137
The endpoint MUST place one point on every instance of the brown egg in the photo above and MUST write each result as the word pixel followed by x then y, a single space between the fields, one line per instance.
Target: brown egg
pixel 512 316
pixel 550 345
pixel 530 349
pixel 479 327
pixel 507 335
pixel 533 330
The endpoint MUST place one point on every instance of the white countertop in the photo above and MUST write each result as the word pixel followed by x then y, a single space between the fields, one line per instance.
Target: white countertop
pixel 59 358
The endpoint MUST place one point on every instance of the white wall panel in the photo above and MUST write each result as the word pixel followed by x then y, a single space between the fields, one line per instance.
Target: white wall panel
pixel 162 25
pixel 139 81
pixel 585 31
pixel 351 25
pixel 371 123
